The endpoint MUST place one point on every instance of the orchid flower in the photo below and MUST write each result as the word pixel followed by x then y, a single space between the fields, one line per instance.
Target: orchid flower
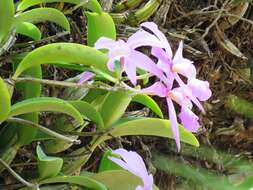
pixel 162 51
pixel 129 58
pixel 85 76
pixel 173 66
pixel 132 162
pixel 184 95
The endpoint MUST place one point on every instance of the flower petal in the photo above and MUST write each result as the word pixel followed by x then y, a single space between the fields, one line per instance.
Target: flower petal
pixel 143 38
pixel 85 76
pixel 182 65
pixel 154 28
pixel 133 162
pixel 160 54
pixel 200 89
pixel 144 62
pixel 181 96
pixel 174 123
pixel 157 89
pixel 130 70
pixel 189 119
pixel 104 43
pixel 111 63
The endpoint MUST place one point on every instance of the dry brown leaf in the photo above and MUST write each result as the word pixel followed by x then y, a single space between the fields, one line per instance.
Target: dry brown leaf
pixel 226 44
pixel 238 10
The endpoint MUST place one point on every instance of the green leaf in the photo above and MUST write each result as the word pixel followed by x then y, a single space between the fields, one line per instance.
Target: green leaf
pixel 150 127
pixel 114 106
pixel 96 27
pixel 63 52
pixel 5 101
pixel 28 90
pixel 45 104
pixel 119 178
pixel 88 111
pixel 90 4
pixel 93 94
pixel 149 102
pixel 48 166
pixel 28 29
pixel 107 164
pixel 6 18
pixel 247 184
pixel 77 180
pixel 43 14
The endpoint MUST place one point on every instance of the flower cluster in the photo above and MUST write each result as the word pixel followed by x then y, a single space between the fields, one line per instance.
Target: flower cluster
pixel 169 70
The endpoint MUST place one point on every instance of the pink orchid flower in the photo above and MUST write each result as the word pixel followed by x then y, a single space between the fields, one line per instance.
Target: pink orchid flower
pixel 129 58
pixel 162 50
pixel 194 91
pixel 133 162
pixel 85 76
pixel 183 95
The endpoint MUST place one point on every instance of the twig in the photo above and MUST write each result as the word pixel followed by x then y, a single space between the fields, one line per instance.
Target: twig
pixel 44 129
pixel 214 21
pixel 70 11
pixel 17 176
pixel 48 39
pixel 239 17
pixel 193 13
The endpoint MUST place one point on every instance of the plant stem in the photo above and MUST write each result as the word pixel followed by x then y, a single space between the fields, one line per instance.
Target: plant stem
pixel 72 84
pixel 44 129
pixel 18 177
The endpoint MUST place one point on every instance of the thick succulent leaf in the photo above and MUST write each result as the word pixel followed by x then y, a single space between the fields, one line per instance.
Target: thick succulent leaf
pixel 114 179
pixel 64 52
pixel 6 18
pixel 43 14
pixel 28 90
pixel 76 180
pixel 150 127
pixel 89 4
pixel 45 104
pixel 28 29
pixel 114 106
pixel 130 127
pixel 226 44
pixel 5 101
pixel 88 111
pixel 96 27
pixel 48 166
pixel 107 164
pixel 149 102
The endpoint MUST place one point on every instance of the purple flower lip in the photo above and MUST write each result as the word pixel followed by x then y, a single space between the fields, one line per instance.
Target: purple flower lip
pixel 133 162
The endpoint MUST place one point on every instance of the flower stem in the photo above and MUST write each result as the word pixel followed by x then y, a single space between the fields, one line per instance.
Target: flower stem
pixel 72 84
pixel 43 129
